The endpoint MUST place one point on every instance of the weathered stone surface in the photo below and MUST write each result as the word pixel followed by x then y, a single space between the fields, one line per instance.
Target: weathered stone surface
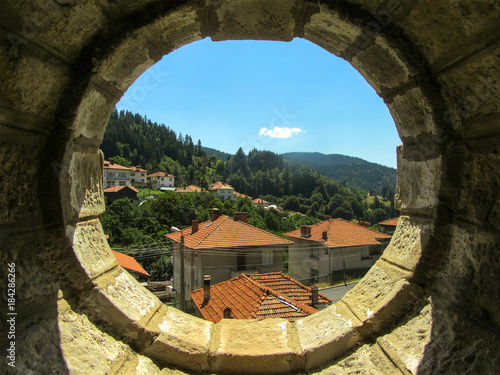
pixel 418 184
pixel 382 295
pixel 412 113
pixel 91 248
pixel 383 66
pixel 406 344
pixel 81 179
pixel 183 341
pixel 406 246
pixel 369 360
pixel 332 31
pixel 253 346
pixel 327 335
pixel 259 20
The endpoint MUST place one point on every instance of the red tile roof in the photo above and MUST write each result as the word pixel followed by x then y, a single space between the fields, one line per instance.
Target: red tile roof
pixel 188 189
pixel 252 299
pixel 259 201
pixel 226 233
pixel 390 222
pixel 137 169
pixel 219 185
pixel 341 233
pixel 108 165
pixel 160 174
pixel 240 195
pixel 116 189
pixel 129 263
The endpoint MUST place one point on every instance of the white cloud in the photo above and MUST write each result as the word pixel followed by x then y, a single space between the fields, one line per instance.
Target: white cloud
pixel 278 132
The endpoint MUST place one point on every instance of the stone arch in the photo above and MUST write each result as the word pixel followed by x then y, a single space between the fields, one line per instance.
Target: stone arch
pixel 66 65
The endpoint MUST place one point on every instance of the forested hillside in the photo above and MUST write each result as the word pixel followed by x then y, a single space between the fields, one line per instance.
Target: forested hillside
pixel 354 171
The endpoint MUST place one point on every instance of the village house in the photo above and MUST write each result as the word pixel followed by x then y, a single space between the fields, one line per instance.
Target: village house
pixel 223 248
pixel 257 296
pixel 161 180
pixel 331 247
pixel 224 191
pixel 188 189
pixel 260 202
pixel 389 226
pixel 138 176
pixel 131 266
pixel 118 192
pixel 115 174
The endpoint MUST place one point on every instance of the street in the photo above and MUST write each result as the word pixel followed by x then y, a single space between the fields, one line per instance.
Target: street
pixel 335 293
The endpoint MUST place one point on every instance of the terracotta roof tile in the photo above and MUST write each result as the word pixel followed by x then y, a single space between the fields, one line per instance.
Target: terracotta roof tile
pixel 341 233
pixel 108 165
pixel 250 299
pixel 188 189
pixel 219 185
pixel 116 189
pixel 129 263
pixel 226 233
pixel 393 221
pixel 160 174
pixel 259 201
pixel 240 195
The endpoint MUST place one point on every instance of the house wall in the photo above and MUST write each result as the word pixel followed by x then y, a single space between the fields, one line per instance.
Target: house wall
pixel 116 177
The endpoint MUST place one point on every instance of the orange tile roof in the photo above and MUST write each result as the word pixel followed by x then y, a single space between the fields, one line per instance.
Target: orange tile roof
pixel 251 299
pixel 226 233
pixel 391 222
pixel 129 263
pixel 240 195
pixel 188 189
pixel 219 185
pixel 116 189
pixel 137 169
pixel 160 174
pixel 341 233
pixel 259 201
pixel 108 165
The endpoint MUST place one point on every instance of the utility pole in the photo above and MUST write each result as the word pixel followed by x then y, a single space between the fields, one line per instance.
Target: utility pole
pixel 183 287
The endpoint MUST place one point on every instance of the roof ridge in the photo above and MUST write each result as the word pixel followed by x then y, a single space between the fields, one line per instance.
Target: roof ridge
pixel 264 231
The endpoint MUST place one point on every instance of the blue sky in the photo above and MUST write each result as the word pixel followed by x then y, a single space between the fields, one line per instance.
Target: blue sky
pixel 276 96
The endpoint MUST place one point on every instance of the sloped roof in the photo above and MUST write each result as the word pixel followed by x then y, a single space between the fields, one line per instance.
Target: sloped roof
pixel 240 195
pixel 160 174
pixel 129 263
pixel 116 189
pixel 390 222
pixel 137 168
pixel 259 201
pixel 251 299
pixel 224 232
pixel 341 233
pixel 108 165
pixel 219 185
pixel 188 189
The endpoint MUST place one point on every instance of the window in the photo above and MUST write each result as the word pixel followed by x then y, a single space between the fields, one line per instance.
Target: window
pixel 267 258
pixel 315 251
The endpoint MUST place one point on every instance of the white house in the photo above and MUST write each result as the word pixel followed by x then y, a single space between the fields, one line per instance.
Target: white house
pixel 331 247
pixel 224 191
pixel 161 180
pixel 115 174
pixel 138 176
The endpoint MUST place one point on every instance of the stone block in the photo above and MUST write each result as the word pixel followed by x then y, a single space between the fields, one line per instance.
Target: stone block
pixel 406 345
pixel 412 113
pixel 123 305
pixel 81 184
pixel 405 249
pixel 418 184
pixel 382 296
pixel 257 20
pixel 368 359
pixel 332 31
pixel 383 66
pixel 256 347
pixel 183 341
pixel 91 248
pixel 326 335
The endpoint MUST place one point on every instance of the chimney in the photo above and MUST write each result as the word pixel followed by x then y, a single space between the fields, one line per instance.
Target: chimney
pixel 227 312
pixel 314 295
pixel 206 288
pixel 325 236
pixel 215 214
pixel 305 231
pixel 241 216
pixel 363 223
pixel 194 226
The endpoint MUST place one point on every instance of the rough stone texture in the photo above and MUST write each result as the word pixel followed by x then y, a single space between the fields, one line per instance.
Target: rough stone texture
pixel 183 341
pixel 435 63
pixel 367 360
pixel 258 347
pixel 327 335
